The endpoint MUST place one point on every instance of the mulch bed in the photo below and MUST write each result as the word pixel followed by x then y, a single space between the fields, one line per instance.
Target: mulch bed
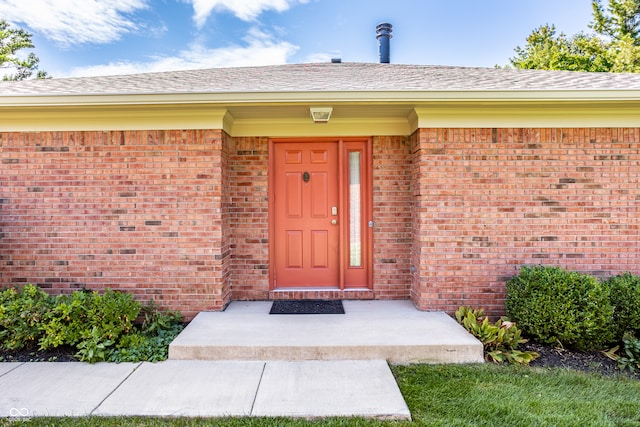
pixel 60 354
pixel 591 361
pixel 550 357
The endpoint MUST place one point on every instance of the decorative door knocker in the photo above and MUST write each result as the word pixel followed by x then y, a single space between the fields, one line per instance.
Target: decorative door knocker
pixel 305 177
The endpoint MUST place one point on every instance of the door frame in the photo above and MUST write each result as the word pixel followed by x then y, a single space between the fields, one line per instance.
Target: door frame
pixel 345 145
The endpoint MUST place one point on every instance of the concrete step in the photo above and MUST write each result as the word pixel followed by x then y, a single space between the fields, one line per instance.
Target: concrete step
pixel 392 330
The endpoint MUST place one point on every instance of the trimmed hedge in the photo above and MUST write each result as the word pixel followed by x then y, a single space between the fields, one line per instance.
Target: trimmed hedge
pixel 625 298
pixel 561 307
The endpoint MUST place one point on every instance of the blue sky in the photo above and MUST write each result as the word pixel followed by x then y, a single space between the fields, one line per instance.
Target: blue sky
pixel 100 37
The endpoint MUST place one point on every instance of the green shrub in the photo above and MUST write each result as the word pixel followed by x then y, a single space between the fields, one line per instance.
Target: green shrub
pixel 148 341
pixel 151 343
pixel 90 321
pixel 625 298
pixel 500 339
pixel 561 307
pixel 100 326
pixel 630 358
pixel 108 317
pixel 66 322
pixel 21 314
pixel 157 321
pixel 94 347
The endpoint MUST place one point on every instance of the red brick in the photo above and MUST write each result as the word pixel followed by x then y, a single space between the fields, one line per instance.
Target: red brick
pixel 485 206
pixel 182 216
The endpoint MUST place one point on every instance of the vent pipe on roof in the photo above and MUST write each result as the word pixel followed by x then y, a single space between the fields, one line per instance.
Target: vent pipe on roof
pixel 383 32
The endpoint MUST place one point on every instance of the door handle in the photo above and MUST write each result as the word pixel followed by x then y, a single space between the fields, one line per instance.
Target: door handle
pixel 334 221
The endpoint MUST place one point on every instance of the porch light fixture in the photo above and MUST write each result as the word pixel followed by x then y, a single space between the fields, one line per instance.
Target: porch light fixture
pixel 320 114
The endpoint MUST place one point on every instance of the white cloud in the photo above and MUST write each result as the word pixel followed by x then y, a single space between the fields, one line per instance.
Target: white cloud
pixel 247 10
pixel 260 49
pixel 322 57
pixel 74 21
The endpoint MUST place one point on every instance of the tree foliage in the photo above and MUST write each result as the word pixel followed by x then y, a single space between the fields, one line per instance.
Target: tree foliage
pixel 12 41
pixel 614 47
pixel 622 20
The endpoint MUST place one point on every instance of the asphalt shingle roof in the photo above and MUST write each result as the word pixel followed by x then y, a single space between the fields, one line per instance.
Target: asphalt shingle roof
pixel 325 77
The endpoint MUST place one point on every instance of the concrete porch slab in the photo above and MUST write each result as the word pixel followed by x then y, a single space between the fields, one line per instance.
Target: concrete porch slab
pixel 389 330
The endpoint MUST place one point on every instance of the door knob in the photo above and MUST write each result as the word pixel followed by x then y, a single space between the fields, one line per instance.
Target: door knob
pixel 334 221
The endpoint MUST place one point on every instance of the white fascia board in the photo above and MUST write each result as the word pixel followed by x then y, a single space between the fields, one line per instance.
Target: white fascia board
pixel 239 98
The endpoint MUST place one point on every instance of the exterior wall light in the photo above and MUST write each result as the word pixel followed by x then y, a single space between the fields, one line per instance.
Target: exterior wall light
pixel 320 114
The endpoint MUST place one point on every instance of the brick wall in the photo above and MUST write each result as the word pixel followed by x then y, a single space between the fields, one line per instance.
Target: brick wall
pixel 392 214
pixel 182 216
pixel 136 211
pixel 226 240
pixel 177 216
pixel 249 166
pixel 487 201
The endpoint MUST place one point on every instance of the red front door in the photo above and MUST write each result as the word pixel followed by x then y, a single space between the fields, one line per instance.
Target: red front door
pixel 306 197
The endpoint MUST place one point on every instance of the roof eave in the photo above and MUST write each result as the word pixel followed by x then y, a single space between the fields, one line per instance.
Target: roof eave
pixel 355 113
pixel 406 96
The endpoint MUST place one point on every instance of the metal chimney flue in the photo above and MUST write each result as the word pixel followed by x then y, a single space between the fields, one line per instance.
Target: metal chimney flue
pixel 383 32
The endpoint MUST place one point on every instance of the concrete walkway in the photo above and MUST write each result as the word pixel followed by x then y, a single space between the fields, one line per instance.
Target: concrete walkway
pixel 245 362
pixel 190 388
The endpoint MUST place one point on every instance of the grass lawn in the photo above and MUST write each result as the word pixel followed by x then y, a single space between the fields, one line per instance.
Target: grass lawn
pixel 514 396
pixel 477 395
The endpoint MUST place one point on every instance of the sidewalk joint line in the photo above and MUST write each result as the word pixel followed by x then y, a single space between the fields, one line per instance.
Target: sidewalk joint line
pixel 255 396
pixel 13 369
pixel 135 368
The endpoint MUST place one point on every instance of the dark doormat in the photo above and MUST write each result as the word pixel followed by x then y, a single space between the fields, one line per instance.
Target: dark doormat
pixel 307 306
